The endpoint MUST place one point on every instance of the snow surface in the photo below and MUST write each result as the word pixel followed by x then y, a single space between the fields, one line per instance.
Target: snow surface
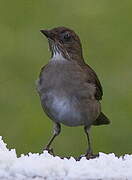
pixel 46 167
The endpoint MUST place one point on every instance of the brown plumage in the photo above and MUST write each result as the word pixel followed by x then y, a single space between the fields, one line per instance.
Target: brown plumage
pixel 69 89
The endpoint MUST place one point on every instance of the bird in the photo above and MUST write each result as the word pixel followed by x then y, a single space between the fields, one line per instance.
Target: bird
pixel 69 89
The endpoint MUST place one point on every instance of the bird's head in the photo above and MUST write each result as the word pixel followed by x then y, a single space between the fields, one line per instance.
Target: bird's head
pixel 65 42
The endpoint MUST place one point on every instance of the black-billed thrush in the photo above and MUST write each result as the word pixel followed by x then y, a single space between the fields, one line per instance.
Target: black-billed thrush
pixel 69 89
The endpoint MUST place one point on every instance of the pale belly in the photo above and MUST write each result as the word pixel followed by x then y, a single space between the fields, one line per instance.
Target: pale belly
pixel 63 110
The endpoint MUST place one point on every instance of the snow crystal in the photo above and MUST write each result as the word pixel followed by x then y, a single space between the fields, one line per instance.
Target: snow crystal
pixel 45 166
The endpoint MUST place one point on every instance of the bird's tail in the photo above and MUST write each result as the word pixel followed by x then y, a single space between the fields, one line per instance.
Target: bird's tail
pixel 102 119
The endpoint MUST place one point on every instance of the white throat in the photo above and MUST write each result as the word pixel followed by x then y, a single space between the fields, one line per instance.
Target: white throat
pixel 57 56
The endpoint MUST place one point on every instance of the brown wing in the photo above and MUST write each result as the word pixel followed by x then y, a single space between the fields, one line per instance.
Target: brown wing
pixel 93 79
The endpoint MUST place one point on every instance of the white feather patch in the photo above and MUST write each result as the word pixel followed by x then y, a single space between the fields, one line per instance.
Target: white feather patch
pixel 57 57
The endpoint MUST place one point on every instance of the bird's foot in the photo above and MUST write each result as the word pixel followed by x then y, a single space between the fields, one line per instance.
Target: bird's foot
pixel 91 156
pixel 50 151
pixel 88 156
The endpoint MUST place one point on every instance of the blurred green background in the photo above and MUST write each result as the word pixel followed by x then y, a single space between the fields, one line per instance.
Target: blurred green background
pixel 105 29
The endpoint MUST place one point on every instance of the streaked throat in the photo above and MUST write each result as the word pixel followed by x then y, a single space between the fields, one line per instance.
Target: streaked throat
pixel 57 54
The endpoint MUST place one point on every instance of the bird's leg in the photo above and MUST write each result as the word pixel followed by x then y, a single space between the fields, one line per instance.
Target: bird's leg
pixel 89 150
pixel 89 153
pixel 56 132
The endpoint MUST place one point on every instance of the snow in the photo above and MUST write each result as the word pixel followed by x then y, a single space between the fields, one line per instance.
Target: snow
pixel 46 167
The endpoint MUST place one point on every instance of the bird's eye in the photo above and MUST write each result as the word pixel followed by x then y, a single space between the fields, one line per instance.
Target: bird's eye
pixel 66 37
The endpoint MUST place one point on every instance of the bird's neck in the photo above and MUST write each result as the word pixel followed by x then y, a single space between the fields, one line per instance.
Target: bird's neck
pixel 77 57
pixel 63 56
pixel 58 56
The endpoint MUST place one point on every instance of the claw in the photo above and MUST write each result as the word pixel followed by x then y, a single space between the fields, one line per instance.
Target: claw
pixel 91 156
pixel 88 156
pixel 50 151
